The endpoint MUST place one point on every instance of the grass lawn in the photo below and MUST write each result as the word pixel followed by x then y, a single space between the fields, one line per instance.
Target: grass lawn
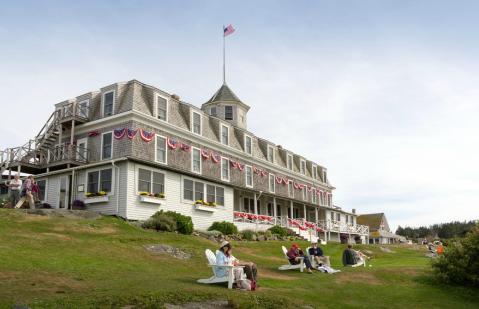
pixel 77 263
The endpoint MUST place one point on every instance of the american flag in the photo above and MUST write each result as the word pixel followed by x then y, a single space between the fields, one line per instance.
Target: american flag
pixel 228 30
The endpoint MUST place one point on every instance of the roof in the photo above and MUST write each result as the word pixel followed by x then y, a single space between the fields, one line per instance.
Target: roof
pixel 225 94
pixel 371 220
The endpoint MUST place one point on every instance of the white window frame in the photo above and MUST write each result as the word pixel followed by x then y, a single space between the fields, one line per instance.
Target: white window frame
pixel 232 112
pixel 314 197
pixel 113 179
pixel 79 141
pixel 87 101
pixel 103 103
pixel 156 106
pixel 301 170
pixel 215 114
pixel 270 148
pixel 269 183
pixel 193 123
pixel 287 161
pixel 305 194
pixel 143 167
pixel 246 176
pixel 101 146
pixel 251 145
pixel 229 169
pixel 192 156
pixel 205 190
pixel 325 176
pixel 314 170
pixel 221 134
pixel 156 149
pixel 45 196
pixel 290 189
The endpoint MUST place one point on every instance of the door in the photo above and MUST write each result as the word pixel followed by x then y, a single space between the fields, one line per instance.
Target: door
pixel 81 154
pixel 83 108
pixel 64 192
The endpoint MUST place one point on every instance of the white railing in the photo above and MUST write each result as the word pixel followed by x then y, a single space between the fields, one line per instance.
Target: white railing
pixel 245 217
pixel 340 227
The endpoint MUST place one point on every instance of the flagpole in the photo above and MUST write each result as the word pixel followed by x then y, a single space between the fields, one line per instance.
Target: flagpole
pixel 224 57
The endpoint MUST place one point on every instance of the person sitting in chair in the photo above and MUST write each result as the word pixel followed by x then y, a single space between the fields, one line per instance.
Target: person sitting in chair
pixel 295 254
pixel 317 254
pixel 224 257
pixel 349 256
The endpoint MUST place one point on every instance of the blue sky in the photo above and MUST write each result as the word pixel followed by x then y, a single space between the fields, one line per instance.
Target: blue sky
pixel 385 92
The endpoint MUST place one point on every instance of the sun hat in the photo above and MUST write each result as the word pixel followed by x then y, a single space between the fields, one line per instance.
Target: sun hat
pixel 224 243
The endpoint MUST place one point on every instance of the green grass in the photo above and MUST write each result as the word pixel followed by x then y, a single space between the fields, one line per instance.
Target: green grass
pixel 79 263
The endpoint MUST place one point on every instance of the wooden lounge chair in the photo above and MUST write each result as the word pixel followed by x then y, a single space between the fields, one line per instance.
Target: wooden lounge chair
pixel 229 277
pixel 289 266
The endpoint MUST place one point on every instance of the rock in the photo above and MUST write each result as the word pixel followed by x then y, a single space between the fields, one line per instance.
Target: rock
pixel 212 238
pixel 214 304
pixel 166 249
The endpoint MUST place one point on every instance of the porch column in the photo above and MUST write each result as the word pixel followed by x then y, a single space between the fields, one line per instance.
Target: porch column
pixel 291 210
pixel 316 217
pixel 275 210
pixel 304 212
pixel 255 205
pixel 72 132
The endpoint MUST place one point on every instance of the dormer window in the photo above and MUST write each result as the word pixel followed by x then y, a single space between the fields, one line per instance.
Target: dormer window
pixel 325 176
pixel 271 154
pixel 196 123
pixel 248 144
pixel 315 172
pixel 161 108
pixel 302 169
pixel 289 162
pixel 108 103
pixel 213 111
pixel 228 112
pixel 224 135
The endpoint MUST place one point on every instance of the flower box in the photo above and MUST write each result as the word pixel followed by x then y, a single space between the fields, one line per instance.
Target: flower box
pixel 151 199
pixel 96 199
pixel 205 208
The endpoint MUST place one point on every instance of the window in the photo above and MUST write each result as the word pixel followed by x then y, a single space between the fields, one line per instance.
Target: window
pixel 161 108
pixel 106 146
pixel 305 194
pixel 196 160
pixel 315 172
pixel 199 190
pixel 332 216
pixel 225 169
pixel 195 190
pixel 42 186
pixel 338 217
pixel 108 103
pixel 271 154
pixel 249 176
pixel 248 142
pixel 289 162
pixel 99 181
pixel 188 189
pixel 224 135
pixel 196 123
pixel 290 189
pixel 347 218
pixel 270 209
pixel 160 147
pixel 150 181
pixel 271 183
pixel 82 150
pixel 83 108
pixel 325 178
pixel 213 111
pixel 303 167
pixel 314 196
pixel 228 112
pixel 248 205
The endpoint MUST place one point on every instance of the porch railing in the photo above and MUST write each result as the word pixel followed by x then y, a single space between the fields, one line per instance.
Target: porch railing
pixel 68 153
pixel 75 110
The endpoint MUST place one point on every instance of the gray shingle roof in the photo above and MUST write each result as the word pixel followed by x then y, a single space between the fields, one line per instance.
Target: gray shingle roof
pixel 224 94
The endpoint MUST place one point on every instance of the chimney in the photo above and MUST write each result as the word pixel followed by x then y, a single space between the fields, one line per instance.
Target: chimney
pixel 353 211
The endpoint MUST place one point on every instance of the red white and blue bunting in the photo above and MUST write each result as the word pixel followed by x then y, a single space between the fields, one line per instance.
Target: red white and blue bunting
pixel 119 133
pixel 131 133
pixel 146 136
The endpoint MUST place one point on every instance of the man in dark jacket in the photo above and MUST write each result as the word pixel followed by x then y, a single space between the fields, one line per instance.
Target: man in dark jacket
pixel 349 256
pixel 295 254
pixel 317 254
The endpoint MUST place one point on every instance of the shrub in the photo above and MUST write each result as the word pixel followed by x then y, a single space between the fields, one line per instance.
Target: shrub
pixel 249 235
pixel 78 204
pixel 184 224
pixel 460 262
pixel 279 230
pixel 46 206
pixel 212 233
pixel 160 222
pixel 227 228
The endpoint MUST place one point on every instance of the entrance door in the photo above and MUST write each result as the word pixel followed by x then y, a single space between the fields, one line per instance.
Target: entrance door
pixel 81 154
pixel 64 192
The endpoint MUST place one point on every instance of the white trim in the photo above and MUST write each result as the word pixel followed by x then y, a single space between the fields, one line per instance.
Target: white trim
pixel 305 194
pixel 270 147
pixel 192 122
pixel 150 199
pixel 314 171
pixel 221 134
pixel 246 136
pixel 101 146
pixel 290 193
pixel 229 169
pixel 246 176
pixel 155 112
pixel 99 169
pixel 205 208
pixel 274 183
pixel 199 155
pixel 291 168
pixel 103 103
pixel 166 149
pixel 45 196
pixel 301 171
pixel 96 199
pixel 83 140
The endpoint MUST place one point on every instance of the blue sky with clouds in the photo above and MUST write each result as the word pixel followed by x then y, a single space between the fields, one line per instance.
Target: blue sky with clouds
pixel 385 92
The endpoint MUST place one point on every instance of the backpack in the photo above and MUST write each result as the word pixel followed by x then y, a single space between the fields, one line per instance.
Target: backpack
pixel 244 284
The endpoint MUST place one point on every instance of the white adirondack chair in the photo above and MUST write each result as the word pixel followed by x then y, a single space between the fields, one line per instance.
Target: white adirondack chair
pixel 210 256
pixel 288 266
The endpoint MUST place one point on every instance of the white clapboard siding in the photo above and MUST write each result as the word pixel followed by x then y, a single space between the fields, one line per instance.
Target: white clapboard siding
pixel 53 190
pixel 137 210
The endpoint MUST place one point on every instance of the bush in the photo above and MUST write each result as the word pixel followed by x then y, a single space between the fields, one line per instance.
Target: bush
pixel 460 262
pixel 249 235
pixel 160 222
pixel 212 233
pixel 279 230
pixel 227 228
pixel 184 224
pixel 78 205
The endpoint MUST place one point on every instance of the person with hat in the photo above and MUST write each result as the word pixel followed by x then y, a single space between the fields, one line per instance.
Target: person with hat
pixel 317 254
pixel 295 254
pixel 224 255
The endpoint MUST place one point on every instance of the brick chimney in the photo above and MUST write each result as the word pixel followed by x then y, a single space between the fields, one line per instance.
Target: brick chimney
pixel 353 211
